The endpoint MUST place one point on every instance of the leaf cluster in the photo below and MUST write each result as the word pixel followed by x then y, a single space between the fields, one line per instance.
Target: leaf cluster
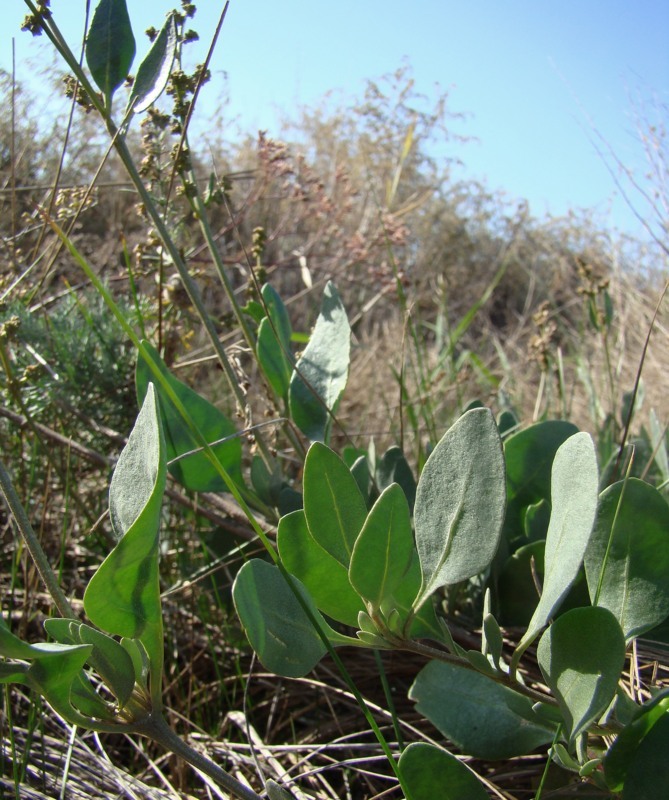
pixel 373 551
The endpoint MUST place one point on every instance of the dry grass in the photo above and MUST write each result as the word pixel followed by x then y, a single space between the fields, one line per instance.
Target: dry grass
pixel 575 383
pixel 309 730
pixel 319 206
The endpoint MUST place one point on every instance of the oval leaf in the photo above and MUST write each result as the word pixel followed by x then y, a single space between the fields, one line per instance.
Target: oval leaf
pixel 484 718
pixel 574 488
pixel 424 624
pixel 63 630
pixel 581 656
pixel 321 373
pixel 492 640
pixel 54 676
pixel 621 753
pixel 383 550
pixel 139 470
pixel 460 503
pixel 273 345
pixel 123 596
pixel 278 313
pixel 648 774
pixel 277 626
pixel 274 361
pixel 333 504
pixel 429 772
pixel 55 670
pixel 195 472
pixel 154 71
pixel 111 661
pixel 325 578
pixel 529 456
pixel 108 657
pixel 110 46
pixel 394 468
pixel 630 544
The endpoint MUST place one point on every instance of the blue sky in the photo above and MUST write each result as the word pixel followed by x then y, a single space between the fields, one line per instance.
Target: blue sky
pixel 531 75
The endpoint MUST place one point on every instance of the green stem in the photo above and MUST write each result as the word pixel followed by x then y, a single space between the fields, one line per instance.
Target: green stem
pixel 449 658
pixel 198 207
pixel 544 775
pixel 637 381
pixel 390 702
pixel 201 213
pixel 238 492
pixel 156 728
pixel 609 371
pixel 191 287
pixel 505 680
